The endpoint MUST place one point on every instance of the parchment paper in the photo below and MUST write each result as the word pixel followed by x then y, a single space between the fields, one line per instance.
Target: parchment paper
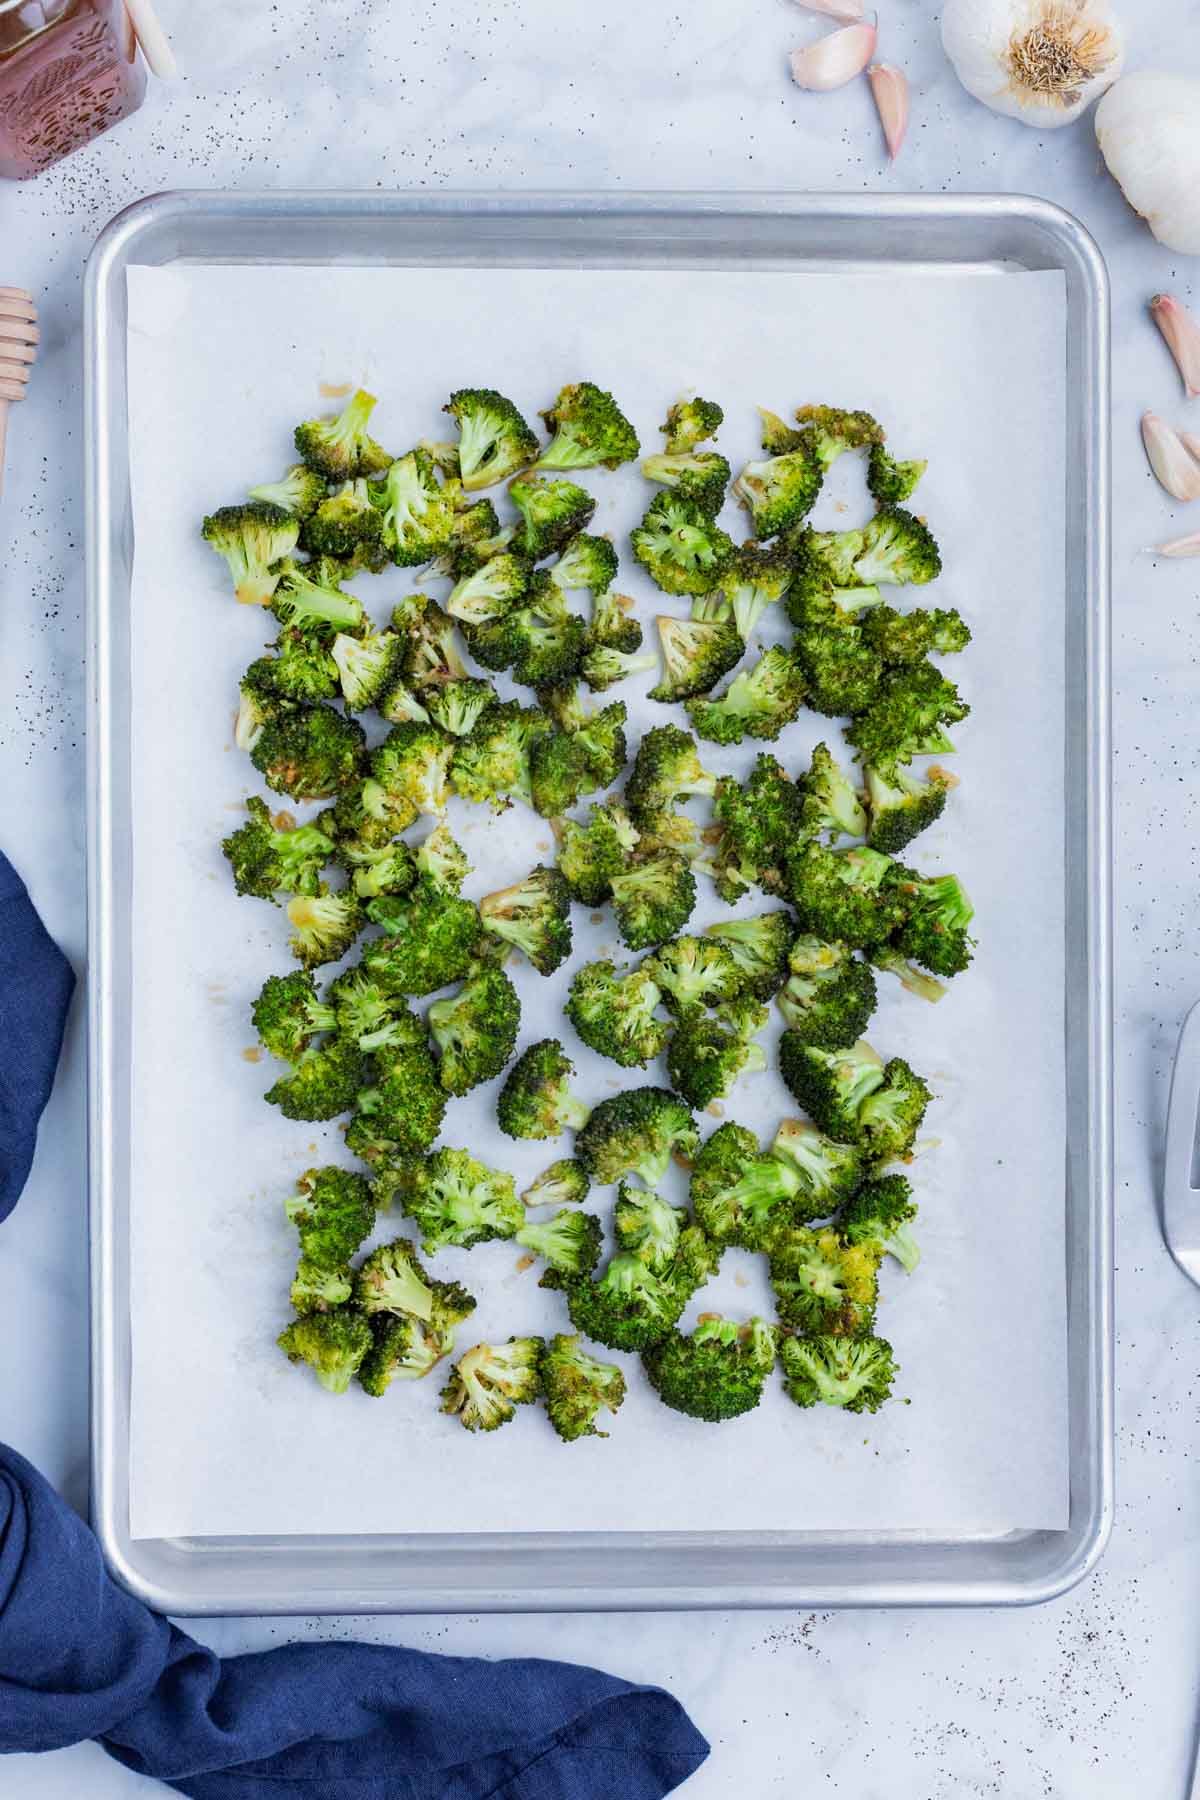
pixel 226 1436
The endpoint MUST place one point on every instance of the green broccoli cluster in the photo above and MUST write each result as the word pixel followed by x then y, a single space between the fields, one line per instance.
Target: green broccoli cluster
pixel 383 723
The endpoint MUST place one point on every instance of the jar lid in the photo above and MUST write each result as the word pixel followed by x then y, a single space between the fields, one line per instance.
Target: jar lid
pixel 153 41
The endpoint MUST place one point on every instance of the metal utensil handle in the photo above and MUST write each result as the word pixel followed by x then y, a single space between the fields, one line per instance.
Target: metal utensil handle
pixel 1181 1201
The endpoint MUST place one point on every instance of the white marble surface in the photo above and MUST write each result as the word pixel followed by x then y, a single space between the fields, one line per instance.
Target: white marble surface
pixel 1096 1695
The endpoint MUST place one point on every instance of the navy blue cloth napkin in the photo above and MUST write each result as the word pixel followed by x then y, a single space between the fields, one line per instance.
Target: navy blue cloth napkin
pixel 80 1658
pixel 35 991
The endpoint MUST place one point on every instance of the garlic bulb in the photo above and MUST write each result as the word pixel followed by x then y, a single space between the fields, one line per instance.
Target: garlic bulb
pixel 1148 130
pixel 1040 61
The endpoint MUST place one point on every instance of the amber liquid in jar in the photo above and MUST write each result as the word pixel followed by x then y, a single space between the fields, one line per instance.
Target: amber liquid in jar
pixel 68 70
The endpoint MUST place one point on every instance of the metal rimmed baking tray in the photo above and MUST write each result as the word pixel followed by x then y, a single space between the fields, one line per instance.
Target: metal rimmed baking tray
pixel 614 1570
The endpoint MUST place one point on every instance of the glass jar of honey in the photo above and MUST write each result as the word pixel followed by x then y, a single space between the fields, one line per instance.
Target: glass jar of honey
pixel 69 69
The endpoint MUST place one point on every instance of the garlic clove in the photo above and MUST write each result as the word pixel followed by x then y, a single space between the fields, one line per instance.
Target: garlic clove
pixel 1182 335
pixel 847 12
pixel 1184 546
pixel 834 59
pixel 889 87
pixel 1170 458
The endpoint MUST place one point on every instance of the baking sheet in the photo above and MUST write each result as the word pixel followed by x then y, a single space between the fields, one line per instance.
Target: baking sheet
pixel 225 1437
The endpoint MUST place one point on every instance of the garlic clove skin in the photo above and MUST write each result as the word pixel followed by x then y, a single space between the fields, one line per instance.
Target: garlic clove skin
pixel 1184 546
pixel 889 87
pixel 1170 458
pixel 834 59
pixel 1148 130
pixel 1182 335
pixel 1040 61
pixel 846 12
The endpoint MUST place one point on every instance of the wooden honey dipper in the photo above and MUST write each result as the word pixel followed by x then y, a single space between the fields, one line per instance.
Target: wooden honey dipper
pixel 18 349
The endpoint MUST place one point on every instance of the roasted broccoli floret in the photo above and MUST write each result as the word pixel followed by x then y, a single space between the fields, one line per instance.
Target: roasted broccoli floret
pixel 324 1082
pixel 681 548
pixel 306 600
pixel 694 971
pixel 416 514
pixel 889 480
pixel 853 1373
pixel 492 763
pixel 551 513
pixel 757 825
pixel 252 538
pixel 564 1183
pixel 458 705
pixel 700 476
pixel 742 1195
pixel 372 1018
pixel 569 1244
pixel 576 1386
pixel 831 803
pixel 431 653
pixel 366 820
pixel 586 562
pixel 333 1344
pixel 406 1103
pixel 324 925
pixel 475 1030
pixel 402 1349
pixel 455 1200
pixel 301 668
pixel 758 702
pixel 367 666
pixel 759 576
pixel 937 913
pixel 907 718
pixel 827 1173
pixel 912 979
pixel 909 637
pixel 590 855
pixel 830 995
pixel 433 938
pixel 690 422
pixel 779 491
pixel 647 1227
pixel 542 641
pixel 347 527
pixel 829 431
pixel 612 625
pixel 704 1058
pixel 894 547
pixel 666 769
pixel 309 752
pixel 856 1099
pixel 300 491
pixel 341 448
pixel 412 766
pixel 716 1372
pixel 844 894
pixel 613 1012
pixel 475 536
pixel 822 1286
pixel 603 666
pixel 589 429
pixel 535 915
pixel 488 1384
pixel 315 1289
pixel 759 946
pixel 578 759
pixel 491 592
pixel 267 859
pixel 653 897
pixel 824 592
pixel 631 1306
pixel 536 1100
pixel 902 805
pixel 494 440
pixel 287 1015
pixel 637 1131
pixel 842 673
pixel 880 1215
pixel 391 1280
pixel 333 1212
